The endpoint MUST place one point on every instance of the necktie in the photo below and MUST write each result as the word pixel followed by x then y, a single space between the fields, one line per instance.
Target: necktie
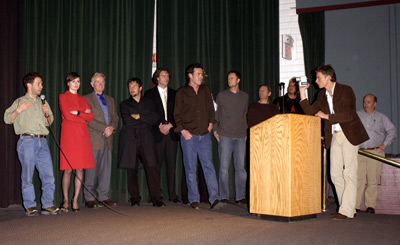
pixel 164 101
pixel 103 100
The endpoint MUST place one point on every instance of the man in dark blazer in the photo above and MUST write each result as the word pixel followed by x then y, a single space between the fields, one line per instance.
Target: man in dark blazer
pixel 336 104
pixel 136 140
pixel 163 98
pixel 101 130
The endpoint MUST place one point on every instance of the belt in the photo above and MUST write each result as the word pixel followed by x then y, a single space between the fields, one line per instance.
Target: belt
pixel 35 135
pixel 374 148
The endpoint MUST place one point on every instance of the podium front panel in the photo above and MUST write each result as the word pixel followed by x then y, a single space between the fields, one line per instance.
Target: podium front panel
pixel 285 166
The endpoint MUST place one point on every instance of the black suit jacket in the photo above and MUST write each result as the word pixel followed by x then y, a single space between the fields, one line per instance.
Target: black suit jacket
pixel 128 137
pixel 154 96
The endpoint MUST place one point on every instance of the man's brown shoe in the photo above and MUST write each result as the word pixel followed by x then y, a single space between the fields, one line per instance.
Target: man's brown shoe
pixel 91 204
pixel 339 216
pixel 195 205
pixel 109 203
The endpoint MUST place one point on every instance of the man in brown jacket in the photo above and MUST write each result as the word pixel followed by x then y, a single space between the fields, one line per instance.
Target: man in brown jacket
pixel 101 130
pixel 336 103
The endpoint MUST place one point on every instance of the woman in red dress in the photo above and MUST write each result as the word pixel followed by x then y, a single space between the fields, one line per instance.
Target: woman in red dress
pixel 74 140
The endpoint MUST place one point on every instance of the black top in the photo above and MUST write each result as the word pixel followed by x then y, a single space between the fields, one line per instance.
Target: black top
pixel 144 108
pixel 260 112
pixel 291 105
pixel 136 133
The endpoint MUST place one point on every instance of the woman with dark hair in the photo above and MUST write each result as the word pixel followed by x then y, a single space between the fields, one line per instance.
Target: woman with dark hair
pixel 74 140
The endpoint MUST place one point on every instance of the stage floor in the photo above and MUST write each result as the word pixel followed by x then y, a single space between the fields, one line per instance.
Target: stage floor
pixel 180 224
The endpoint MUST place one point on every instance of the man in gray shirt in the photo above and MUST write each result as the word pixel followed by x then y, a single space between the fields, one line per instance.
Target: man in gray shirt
pixel 230 132
pixel 381 132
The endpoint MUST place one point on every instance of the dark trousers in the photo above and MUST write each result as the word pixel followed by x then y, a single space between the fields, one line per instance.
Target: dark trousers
pixel 201 184
pixel 166 149
pixel 153 180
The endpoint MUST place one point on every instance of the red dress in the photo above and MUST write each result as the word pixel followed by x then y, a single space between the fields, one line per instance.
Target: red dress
pixel 74 140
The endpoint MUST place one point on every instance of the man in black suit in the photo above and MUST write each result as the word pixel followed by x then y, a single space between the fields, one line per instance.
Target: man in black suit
pixel 166 139
pixel 136 140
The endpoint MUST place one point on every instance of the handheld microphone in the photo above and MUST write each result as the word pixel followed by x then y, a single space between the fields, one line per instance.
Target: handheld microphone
pixel 42 97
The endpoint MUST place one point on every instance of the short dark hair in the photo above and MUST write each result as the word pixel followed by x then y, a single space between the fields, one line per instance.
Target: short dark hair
pixel 327 70
pixel 69 77
pixel 235 72
pixel 29 78
pixel 190 69
pixel 375 98
pixel 136 80
pixel 264 85
pixel 156 74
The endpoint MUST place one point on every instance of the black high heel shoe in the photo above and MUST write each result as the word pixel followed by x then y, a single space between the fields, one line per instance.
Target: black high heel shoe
pixel 62 208
pixel 72 207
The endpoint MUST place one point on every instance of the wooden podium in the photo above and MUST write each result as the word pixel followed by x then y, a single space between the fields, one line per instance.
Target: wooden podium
pixel 285 167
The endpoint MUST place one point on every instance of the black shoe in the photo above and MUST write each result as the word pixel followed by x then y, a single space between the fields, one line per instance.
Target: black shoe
pixel 241 201
pixel 135 203
pixel 175 200
pixel 224 200
pixel 204 201
pixel 185 201
pixel 331 199
pixel 74 209
pixel 370 210
pixel 217 204
pixel 358 210
pixel 158 204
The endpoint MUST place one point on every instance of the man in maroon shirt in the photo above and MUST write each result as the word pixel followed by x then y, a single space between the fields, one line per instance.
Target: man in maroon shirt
pixel 194 117
pixel 261 110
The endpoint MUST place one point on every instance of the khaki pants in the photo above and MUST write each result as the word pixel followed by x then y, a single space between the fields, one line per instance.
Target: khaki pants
pixel 344 173
pixel 369 171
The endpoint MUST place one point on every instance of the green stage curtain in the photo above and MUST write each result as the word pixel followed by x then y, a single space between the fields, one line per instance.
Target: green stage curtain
pixel 87 36
pixel 312 28
pixel 116 38
pixel 222 35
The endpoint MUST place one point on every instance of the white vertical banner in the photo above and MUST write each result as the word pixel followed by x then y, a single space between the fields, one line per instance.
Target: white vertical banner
pixel 154 56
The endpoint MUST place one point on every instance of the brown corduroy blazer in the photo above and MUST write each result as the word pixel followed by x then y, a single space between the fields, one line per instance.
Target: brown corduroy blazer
pixel 344 106
pixel 98 124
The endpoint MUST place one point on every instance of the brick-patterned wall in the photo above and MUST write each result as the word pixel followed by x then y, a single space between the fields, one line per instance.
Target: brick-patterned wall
pixel 388 200
pixel 288 24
